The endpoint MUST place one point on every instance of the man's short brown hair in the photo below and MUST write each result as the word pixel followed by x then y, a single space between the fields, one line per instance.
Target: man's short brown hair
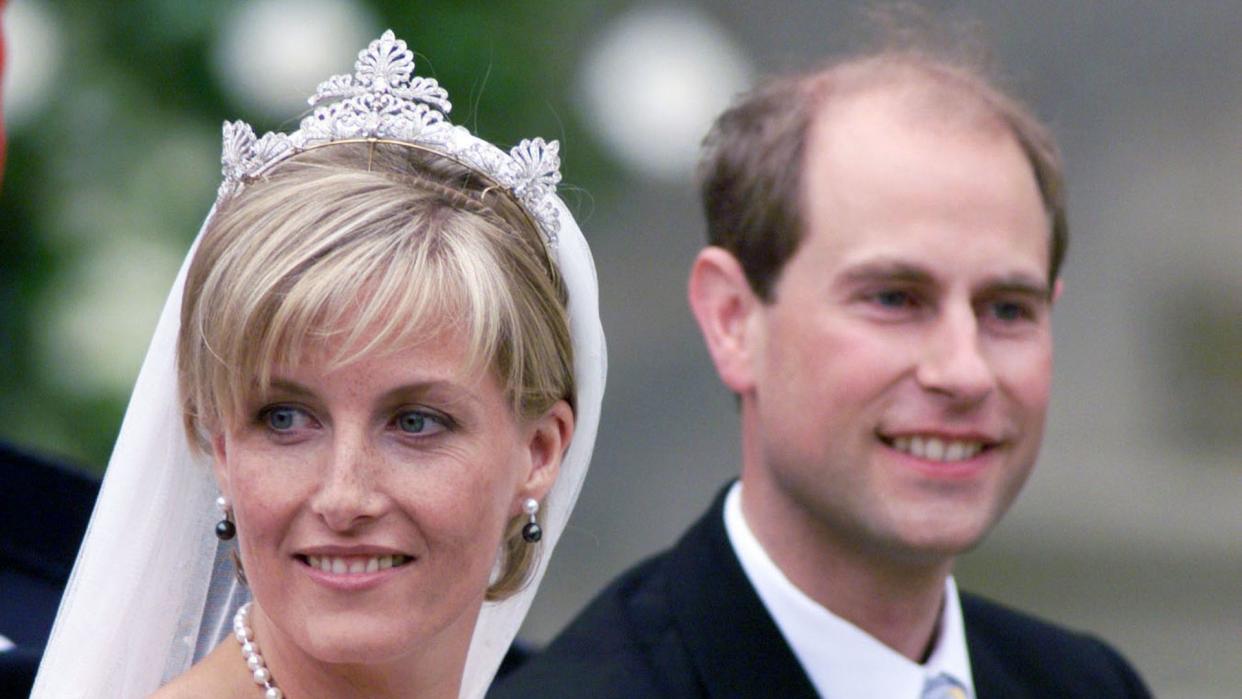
pixel 751 170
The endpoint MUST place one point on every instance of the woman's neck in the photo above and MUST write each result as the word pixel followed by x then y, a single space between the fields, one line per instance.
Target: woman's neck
pixel 432 670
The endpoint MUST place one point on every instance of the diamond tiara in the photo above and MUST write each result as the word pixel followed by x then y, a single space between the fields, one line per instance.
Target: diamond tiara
pixel 383 101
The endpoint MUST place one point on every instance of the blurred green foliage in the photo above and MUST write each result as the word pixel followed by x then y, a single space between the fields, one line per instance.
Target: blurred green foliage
pixel 107 185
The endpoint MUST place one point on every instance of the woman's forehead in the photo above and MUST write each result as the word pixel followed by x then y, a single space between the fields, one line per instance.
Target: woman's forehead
pixel 431 363
pixel 386 334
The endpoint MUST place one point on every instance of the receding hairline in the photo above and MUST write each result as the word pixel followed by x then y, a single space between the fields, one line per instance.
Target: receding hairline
pixel 752 171
pixel 930 91
pixel 910 103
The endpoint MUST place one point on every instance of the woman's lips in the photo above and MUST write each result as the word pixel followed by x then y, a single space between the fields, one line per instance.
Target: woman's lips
pixel 354 572
pixel 353 565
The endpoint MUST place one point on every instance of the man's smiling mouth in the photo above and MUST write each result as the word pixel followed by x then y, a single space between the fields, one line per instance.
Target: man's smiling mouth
pixel 937 448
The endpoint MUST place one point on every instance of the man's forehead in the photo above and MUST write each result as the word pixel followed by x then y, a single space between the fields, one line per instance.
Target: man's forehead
pixel 882 137
pixel 891 137
pixel 911 104
pixel 877 171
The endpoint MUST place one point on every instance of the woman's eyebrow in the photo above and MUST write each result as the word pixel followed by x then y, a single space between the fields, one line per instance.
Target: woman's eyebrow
pixel 450 390
pixel 287 386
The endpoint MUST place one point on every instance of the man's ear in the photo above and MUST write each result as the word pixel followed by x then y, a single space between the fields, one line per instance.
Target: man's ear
pixel 547 438
pixel 725 307
pixel 1057 288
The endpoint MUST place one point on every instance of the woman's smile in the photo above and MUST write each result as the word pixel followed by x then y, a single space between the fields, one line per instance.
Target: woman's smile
pixel 353 565
pixel 355 573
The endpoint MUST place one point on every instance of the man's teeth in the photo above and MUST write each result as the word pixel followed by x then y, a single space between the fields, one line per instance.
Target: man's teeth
pixel 936 449
pixel 341 565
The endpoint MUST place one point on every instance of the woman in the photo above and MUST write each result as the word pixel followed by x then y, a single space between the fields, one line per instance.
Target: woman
pixel 379 376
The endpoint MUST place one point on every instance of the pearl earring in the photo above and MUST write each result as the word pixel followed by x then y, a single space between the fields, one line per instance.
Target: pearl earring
pixel 532 532
pixel 225 529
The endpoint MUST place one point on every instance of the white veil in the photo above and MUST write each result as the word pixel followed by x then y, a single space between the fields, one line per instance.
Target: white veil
pixel 153 590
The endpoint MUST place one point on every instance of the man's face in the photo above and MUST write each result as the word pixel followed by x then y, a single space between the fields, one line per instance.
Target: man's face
pixel 902 368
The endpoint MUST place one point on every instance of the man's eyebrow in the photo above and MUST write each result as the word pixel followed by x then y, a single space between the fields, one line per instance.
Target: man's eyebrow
pixel 887 270
pixel 900 271
pixel 1021 284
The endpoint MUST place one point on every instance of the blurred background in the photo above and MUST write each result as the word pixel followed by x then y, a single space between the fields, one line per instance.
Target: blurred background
pixel 1131 526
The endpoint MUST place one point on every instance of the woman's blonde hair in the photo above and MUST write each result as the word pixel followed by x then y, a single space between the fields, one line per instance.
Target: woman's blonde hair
pixel 370 246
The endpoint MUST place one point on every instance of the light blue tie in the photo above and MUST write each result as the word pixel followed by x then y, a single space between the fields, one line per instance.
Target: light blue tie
pixel 944 686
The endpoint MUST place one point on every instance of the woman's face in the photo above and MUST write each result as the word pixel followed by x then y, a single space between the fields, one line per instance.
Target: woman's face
pixel 371 499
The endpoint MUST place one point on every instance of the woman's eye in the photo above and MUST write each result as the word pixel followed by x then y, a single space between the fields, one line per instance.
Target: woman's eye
pixel 419 423
pixel 283 418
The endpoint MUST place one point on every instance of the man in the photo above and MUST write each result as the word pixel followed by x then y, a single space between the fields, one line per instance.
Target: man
pixel 886 237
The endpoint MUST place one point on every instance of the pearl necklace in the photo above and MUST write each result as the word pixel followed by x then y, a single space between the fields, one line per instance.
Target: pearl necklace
pixel 250 651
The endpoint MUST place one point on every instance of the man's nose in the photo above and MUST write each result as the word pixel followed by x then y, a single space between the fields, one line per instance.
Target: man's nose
pixel 953 363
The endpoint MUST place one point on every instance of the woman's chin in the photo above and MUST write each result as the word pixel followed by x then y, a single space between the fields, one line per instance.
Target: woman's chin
pixel 375 632
pixel 369 640
pixel 358 646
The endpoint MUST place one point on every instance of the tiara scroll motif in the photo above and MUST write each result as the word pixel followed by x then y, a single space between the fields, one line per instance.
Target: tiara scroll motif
pixel 384 100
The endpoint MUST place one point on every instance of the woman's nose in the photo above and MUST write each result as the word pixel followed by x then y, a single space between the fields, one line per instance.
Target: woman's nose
pixel 347 495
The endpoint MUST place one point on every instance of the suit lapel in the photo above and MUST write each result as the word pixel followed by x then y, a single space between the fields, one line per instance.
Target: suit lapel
pixel 735 646
pixel 992 679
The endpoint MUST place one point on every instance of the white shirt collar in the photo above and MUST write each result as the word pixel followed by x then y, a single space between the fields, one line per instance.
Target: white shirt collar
pixel 841 660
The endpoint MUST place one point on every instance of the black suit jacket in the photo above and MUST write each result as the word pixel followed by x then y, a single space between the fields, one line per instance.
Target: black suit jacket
pixel 44 508
pixel 687 623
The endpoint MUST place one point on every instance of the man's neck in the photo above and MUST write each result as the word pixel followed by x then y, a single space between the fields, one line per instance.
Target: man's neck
pixel 897 602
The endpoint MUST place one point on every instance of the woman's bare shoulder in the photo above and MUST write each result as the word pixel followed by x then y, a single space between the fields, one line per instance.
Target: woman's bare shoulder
pixel 217 675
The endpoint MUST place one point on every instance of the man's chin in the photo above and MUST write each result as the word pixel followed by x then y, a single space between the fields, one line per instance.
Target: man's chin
pixel 937 543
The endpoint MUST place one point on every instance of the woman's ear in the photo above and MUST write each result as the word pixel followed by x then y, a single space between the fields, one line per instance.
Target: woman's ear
pixel 547 438
pixel 219 460
pixel 724 306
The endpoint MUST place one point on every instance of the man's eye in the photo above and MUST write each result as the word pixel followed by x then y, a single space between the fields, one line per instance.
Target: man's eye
pixel 1010 311
pixel 892 298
